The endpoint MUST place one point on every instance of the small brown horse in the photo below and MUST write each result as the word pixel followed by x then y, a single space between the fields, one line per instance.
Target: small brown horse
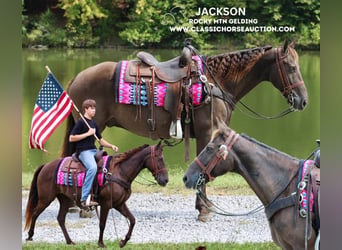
pixel 122 170
pixel 271 174
pixel 237 73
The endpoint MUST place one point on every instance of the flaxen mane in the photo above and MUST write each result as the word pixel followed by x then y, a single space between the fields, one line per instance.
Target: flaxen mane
pixel 235 65
pixel 124 156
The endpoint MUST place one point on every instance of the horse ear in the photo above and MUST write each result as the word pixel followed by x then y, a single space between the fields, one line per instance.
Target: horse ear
pixel 286 44
pixel 159 145
pixel 292 44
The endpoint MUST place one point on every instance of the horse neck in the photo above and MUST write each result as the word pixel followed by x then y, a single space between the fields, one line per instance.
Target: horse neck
pixel 243 80
pixel 265 169
pixel 130 168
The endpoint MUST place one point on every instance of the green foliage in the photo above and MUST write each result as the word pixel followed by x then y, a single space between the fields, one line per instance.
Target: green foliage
pixel 43 31
pixel 23 20
pixel 144 27
pixel 146 23
pixel 80 12
pixel 82 16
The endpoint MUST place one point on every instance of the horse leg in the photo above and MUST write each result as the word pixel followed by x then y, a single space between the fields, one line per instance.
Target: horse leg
pixel 37 211
pixel 125 212
pixel 65 203
pixel 103 220
pixel 201 205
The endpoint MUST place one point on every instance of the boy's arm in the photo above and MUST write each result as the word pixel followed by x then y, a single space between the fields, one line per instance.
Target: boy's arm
pixel 106 144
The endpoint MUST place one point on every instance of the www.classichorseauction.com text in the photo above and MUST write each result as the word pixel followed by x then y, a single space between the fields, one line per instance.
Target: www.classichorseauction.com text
pixel 223 19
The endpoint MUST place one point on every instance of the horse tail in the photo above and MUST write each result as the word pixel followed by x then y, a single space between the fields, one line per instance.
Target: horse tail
pixel 33 198
pixel 68 147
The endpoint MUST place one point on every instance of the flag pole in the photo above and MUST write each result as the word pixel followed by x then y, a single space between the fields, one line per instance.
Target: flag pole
pixel 77 110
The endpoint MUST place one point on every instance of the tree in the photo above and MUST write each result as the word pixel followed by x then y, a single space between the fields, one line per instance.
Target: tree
pixel 82 16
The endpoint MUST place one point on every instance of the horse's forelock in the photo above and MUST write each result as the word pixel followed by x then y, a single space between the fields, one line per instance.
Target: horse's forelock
pixel 215 133
pixel 294 53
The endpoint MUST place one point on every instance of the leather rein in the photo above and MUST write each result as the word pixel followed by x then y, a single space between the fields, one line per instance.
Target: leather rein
pixel 218 157
pixel 287 87
pixel 155 154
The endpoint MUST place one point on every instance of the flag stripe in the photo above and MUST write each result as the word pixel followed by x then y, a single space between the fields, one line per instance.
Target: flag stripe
pixel 59 117
pixel 48 118
pixel 45 121
pixel 52 106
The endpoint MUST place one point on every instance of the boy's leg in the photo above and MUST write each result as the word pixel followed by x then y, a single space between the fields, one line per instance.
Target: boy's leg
pixel 87 158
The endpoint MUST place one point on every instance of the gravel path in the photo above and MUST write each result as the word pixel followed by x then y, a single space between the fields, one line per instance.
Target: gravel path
pixel 159 218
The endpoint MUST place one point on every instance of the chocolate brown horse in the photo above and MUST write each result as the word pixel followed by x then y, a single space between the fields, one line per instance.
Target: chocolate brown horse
pixel 273 176
pixel 114 193
pixel 236 73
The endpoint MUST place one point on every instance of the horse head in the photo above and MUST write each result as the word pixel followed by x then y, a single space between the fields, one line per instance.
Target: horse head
pixel 156 164
pixel 207 165
pixel 286 76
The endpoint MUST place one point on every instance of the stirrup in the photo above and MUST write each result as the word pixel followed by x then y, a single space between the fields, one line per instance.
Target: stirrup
pixel 176 130
pixel 88 202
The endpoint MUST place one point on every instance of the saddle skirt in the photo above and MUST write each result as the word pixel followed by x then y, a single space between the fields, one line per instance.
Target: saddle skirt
pixel 306 199
pixel 310 173
pixel 70 172
pixel 127 91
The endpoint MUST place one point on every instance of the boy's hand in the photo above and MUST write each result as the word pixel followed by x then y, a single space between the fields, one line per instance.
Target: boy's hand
pixel 91 131
pixel 115 148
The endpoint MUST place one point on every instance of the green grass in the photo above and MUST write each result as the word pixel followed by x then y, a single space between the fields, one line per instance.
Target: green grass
pixel 154 246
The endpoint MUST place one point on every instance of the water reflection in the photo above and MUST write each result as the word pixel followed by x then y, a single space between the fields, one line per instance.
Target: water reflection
pixel 294 134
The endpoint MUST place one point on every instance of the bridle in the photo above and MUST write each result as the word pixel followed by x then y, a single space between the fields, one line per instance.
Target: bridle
pixel 287 86
pixel 219 156
pixel 156 156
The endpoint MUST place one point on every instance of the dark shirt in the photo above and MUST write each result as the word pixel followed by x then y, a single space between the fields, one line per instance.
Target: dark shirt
pixel 88 142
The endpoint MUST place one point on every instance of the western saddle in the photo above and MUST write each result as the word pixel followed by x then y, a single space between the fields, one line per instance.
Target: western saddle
pixel 178 73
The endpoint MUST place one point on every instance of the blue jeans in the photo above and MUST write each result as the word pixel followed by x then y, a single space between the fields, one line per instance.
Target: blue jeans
pixel 88 160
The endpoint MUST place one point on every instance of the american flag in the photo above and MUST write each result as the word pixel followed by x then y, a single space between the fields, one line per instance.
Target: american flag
pixel 52 106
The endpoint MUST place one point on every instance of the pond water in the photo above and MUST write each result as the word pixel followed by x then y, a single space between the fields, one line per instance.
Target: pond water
pixel 294 134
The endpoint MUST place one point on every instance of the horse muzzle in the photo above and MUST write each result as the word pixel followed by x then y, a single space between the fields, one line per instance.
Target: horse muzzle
pixel 297 102
pixel 193 181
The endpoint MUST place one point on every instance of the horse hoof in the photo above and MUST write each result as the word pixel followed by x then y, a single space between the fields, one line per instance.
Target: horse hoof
pixel 102 245
pixel 203 218
pixel 204 215
pixel 71 243
pixel 29 239
pixel 86 214
pixel 122 243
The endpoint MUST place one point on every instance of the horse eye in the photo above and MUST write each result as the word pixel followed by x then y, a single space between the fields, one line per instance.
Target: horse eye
pixel 293 69
pixel 210 148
